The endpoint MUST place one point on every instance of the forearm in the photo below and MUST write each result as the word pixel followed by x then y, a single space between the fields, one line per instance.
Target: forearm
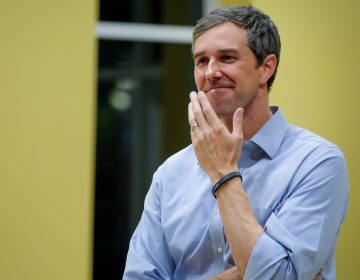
pixel 242 230
pixel 234 274
pixel 241 227
pixel 229 274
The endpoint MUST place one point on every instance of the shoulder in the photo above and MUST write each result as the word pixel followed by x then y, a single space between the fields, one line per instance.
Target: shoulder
pixel 180 159
pixel 308 142
pixel 170 171
pixel 315 157
pixel 177 176
pixel 178 164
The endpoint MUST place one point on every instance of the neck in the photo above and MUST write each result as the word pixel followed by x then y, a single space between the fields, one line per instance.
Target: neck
pixel 256 114
pixel 253 122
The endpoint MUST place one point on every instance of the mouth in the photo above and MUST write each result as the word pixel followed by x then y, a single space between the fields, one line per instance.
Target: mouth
pixel 218 89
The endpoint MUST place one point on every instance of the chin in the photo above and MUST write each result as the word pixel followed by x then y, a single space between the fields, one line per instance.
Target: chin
pixel 222 111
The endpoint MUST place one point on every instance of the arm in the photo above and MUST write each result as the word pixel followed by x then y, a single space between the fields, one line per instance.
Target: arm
pixel 148 256
pixel 300 236
pixel 234 274
pixel 218 152
pixel 229 274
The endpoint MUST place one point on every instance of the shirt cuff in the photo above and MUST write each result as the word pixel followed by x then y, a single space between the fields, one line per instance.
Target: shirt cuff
pixel 266 257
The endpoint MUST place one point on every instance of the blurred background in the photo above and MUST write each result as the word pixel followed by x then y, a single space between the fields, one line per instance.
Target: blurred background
pixel 93 100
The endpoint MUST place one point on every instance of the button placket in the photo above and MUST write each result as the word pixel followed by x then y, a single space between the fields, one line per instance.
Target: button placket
pixel 217 237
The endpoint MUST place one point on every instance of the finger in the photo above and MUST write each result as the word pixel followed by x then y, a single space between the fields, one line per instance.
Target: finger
pixel 192 122
pixel 191 116
pixel 238 122
pixel 197 110
pixel 207 109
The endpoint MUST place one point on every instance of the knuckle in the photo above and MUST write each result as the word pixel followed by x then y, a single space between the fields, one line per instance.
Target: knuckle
pixel 217 129
pixel 238 138
pixel 205 135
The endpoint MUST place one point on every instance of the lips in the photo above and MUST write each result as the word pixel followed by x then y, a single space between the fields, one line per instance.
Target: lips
pixel 220 87
pixel 217 86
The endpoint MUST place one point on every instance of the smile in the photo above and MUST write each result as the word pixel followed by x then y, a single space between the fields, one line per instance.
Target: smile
pixel 218 89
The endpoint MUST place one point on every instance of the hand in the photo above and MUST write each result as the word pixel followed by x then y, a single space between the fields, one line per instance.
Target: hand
pixel 229 274
pixel 234 274
pixel 217 149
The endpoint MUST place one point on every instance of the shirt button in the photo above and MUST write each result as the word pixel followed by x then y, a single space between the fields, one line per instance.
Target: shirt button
pixel 220 250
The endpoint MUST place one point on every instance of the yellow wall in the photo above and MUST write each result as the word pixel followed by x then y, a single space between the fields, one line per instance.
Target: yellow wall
pixel 233 2
pixel 317 88
pixel 47 122
pixel 47 118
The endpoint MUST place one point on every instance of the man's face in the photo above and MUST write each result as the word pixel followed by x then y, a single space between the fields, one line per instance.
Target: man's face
pixel 226 69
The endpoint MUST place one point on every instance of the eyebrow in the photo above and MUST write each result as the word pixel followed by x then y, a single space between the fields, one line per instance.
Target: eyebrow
pixel 221 51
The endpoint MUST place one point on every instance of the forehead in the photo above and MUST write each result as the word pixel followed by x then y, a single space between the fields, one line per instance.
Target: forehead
pixel 221 36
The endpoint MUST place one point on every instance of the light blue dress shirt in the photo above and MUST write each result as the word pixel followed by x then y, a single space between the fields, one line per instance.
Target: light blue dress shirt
pixel 297 185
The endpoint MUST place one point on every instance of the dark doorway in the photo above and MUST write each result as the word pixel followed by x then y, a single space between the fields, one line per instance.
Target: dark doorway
pixel 142 119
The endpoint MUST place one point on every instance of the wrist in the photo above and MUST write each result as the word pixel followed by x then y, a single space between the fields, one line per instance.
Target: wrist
pixel 224 180
pixel 215 176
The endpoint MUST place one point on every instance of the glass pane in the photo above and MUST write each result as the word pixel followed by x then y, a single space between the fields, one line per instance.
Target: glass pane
pixel 142 118
pixel 182 12
pixel 143 91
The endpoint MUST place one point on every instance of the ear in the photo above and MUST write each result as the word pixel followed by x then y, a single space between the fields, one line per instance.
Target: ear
pixel 268 68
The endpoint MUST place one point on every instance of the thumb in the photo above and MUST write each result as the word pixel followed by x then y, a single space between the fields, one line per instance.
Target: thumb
pixel 238 122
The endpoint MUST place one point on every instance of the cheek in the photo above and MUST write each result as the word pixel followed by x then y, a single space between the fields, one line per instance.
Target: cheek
pixel 232 73
pixel 199 78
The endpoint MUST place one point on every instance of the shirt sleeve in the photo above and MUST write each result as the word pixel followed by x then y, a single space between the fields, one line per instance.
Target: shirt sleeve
pixel 300 235
pixel 148 256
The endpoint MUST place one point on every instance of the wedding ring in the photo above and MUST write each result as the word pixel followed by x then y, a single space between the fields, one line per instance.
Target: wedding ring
pixel 193 127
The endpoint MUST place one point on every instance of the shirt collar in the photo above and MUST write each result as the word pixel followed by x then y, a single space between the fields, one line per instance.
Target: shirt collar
pixel 270 136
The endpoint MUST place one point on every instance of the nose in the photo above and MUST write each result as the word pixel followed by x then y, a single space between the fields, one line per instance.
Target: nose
pixel 213 70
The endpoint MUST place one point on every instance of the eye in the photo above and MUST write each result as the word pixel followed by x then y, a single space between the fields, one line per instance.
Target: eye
pixel 227 58
pixel 201 61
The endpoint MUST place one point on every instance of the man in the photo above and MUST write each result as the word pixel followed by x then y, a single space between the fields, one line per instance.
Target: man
pixel 253 197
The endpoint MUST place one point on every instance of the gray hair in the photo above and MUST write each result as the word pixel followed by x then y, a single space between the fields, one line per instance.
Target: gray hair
pixel 263 35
